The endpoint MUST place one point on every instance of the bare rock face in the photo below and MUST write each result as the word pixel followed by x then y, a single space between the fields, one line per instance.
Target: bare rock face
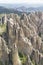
pixel 13 39
pixel 4 51
pixel 25 35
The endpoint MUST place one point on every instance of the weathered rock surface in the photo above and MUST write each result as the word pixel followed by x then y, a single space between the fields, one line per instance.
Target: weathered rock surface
pixel 25 35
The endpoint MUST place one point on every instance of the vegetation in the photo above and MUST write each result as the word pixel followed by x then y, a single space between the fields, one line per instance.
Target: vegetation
pixel 1 63
pixel 33 62
pixel 39 34
pixel 23 58
pixel 2 28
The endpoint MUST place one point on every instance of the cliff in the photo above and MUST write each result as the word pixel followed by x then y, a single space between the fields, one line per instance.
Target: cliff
pixel 24 35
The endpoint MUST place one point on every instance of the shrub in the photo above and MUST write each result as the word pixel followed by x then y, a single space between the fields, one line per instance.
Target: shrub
pixel 23 58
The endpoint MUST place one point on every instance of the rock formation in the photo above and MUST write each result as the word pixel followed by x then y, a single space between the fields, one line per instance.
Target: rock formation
pixel 24 34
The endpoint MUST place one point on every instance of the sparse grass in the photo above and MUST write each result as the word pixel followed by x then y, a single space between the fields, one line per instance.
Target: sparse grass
pixel 23 58
pixel 1 15
pixel 33 62
pixel 2 28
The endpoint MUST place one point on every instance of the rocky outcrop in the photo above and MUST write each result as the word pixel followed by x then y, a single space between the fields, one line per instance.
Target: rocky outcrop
pixel 4 51
pixel 24 34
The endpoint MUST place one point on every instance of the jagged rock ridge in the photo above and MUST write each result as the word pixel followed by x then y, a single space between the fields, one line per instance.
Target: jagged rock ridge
pixel 24 34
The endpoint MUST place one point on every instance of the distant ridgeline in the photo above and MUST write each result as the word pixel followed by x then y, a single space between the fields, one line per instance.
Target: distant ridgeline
pixel 6 10
pixel 19 10
pixel 16 11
